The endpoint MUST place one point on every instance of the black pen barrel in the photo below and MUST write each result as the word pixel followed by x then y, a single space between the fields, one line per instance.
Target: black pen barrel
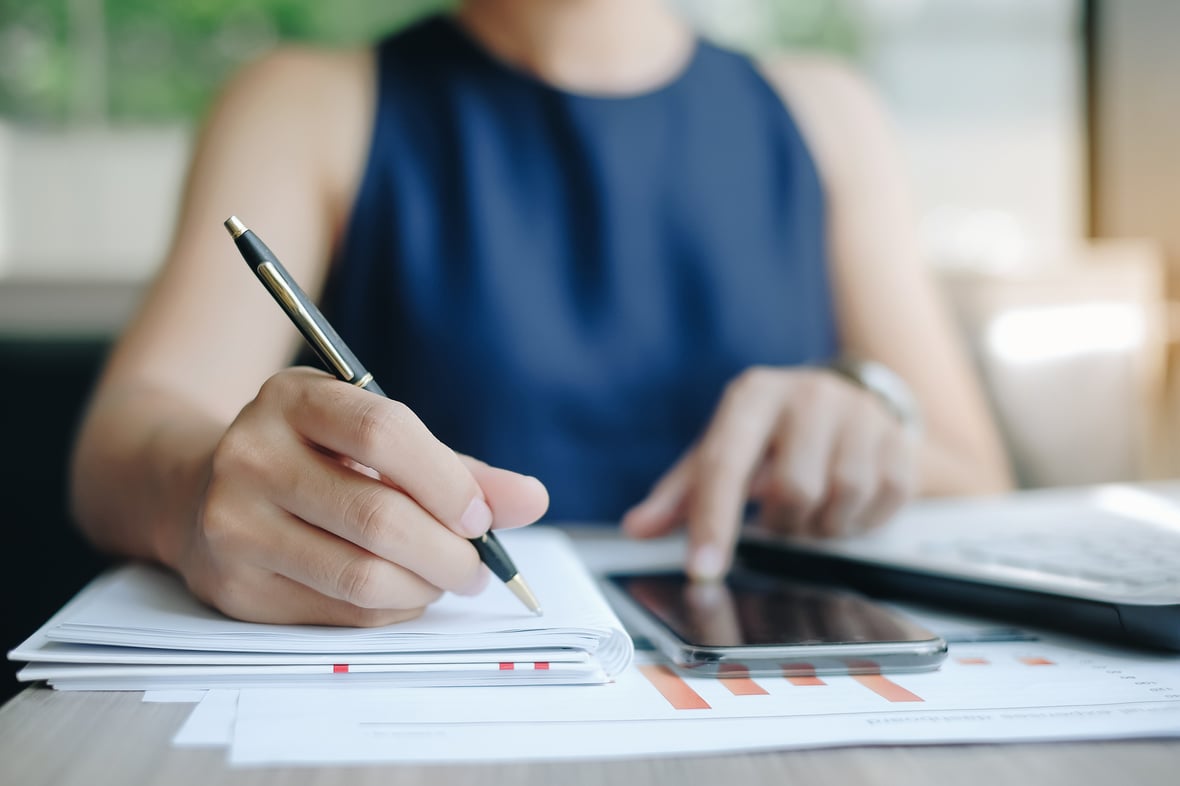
pixel 494 556
pixel 327 344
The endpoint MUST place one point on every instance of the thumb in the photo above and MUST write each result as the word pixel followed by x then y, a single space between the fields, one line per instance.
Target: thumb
pixel 515 499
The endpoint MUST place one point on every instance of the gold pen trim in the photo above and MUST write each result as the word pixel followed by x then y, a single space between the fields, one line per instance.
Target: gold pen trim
pixel 290 301
pixel 235 226
pixel 522 591
pixel 366 379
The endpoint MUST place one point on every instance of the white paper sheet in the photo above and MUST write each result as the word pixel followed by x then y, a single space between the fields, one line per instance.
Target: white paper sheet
pixel 138 628
pixel 76 677
pixel 483 743
pixel 211 723
pixel 1035 690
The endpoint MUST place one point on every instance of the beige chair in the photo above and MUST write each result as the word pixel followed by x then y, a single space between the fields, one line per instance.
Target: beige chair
pixel 1074 360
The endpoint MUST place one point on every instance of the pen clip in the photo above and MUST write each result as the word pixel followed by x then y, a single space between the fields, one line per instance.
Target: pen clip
pixel 312 330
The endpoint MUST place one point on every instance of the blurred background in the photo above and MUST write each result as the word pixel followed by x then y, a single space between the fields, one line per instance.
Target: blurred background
pixel 1041 137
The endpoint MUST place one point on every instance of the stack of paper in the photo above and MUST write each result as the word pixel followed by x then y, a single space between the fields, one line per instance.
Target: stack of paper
pixel 137 628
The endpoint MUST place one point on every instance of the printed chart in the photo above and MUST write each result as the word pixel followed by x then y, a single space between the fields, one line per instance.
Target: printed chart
pixel 1002 673
pixel 1026 690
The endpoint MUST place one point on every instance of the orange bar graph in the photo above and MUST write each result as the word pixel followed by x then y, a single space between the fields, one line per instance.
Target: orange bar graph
pixel 885 688
pixel 673 688
pixel 1037 662
pixel 801 675
pixel 736 678
pixel 973 661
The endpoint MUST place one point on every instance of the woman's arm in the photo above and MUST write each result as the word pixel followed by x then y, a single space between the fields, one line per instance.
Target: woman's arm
pixel 820 455
pixel 279 495
pixel 206 336
pixel 887 305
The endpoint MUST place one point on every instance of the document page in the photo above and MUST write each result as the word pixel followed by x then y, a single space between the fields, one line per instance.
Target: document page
pixel 986 692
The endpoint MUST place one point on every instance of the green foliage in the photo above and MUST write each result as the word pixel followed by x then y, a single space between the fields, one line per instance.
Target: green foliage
pixel 160 60
pixel 70 61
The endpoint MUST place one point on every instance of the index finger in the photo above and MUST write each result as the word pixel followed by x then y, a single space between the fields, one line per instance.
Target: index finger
pixel 387 436
pixel 727 458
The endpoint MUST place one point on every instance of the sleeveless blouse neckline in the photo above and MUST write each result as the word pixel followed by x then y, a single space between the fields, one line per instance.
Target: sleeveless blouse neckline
pixel 682 74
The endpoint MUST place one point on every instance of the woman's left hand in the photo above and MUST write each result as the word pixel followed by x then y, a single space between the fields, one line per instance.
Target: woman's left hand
pixel 821 456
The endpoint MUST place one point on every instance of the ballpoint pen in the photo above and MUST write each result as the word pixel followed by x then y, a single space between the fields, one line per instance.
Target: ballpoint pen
pixel 332 350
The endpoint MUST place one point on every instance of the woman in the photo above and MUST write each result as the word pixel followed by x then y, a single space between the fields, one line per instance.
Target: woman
pixel 568 238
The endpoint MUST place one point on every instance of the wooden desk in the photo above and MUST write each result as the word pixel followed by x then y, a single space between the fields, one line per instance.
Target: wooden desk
pixel 47 737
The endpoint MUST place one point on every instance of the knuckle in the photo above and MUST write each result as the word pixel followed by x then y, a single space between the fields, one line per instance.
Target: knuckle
pixel 218 525
pixel 807 390
pixel 847 481
pixel 230 454
pixel 825 385
pixel 359 583
pixel 751 381
pixel 288 387
pixel 371 520
pixel 241 452
pixel 274 387
pixel 800 491
pixel 379 421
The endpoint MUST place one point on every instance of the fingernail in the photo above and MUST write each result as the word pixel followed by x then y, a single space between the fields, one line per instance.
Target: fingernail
pixel 706 562
pixel 476 519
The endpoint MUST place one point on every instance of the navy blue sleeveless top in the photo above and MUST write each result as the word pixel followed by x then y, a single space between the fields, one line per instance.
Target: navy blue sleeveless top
pixel 562 284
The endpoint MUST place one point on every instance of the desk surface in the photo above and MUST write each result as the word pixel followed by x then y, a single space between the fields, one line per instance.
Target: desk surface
pixel 96 738
pixel 51 737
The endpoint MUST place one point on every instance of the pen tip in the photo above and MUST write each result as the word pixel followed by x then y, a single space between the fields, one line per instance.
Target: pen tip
pixel 521 590
pixel 235 227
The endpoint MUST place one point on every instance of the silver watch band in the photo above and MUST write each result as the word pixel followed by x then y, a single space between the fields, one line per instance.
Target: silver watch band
pixel 885 384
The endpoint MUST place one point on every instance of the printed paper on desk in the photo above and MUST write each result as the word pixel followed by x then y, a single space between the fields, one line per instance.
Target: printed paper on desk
pixel 987 692
pixel 138 614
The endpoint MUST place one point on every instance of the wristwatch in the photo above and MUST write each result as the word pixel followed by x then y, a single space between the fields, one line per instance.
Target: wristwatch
pixel 885 384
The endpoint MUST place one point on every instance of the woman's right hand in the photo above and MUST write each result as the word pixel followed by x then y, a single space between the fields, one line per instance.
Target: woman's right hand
pixel 327 504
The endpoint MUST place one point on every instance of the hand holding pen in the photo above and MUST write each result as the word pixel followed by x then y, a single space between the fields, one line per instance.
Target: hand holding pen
pixel 324 504
pixel 476 519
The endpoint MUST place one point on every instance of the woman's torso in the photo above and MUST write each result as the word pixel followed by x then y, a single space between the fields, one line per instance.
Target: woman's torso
pixel 562 284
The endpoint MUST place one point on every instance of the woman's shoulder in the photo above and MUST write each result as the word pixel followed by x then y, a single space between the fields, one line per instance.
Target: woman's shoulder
pixel 840 113
pixel 301 76
pixel 300 109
